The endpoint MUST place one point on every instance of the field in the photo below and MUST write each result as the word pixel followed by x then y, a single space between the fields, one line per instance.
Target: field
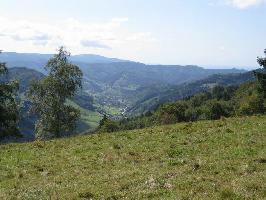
pixel 224 159
pixel 90 118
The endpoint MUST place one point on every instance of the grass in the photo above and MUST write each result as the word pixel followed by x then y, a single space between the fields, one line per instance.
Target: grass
pixel 224 159
pixel 108 109
pixel 111 110
pixel 91 118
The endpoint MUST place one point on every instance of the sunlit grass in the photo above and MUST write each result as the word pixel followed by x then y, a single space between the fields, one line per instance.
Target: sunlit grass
pixel 224 159
pixel 91 118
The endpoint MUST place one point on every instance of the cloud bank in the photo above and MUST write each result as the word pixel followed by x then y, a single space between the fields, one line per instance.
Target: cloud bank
pixel 77 36
pixel 243 4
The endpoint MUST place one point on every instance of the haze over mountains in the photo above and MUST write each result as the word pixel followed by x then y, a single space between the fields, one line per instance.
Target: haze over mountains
pixel 118 87
pixel 114 71
pixel 12 58
pixel 112 81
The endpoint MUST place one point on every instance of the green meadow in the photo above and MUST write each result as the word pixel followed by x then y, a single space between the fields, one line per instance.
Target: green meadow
pixel 223 159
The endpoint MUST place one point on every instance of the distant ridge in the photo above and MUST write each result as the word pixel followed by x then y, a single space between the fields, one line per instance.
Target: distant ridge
pixel 92 58
pixel 117 85
pixel 20 58
pixel 87 58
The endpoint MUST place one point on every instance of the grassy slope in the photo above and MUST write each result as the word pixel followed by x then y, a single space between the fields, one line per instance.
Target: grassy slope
pixel 91 118
pixel 223 159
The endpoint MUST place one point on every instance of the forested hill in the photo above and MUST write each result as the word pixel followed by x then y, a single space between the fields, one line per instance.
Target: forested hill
pixel 150 98
pixel 210 105
pixel 115 83
pixel 24 76
pixel 93 104
pixel 114 71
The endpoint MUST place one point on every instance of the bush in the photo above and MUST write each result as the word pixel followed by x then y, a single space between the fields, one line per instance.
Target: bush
pixel 107 125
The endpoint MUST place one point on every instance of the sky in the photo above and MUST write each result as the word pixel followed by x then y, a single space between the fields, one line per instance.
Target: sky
pixel 210 33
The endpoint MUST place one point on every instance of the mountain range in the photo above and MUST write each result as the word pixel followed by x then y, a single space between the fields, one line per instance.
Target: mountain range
pixel 111 81
pixel 117 87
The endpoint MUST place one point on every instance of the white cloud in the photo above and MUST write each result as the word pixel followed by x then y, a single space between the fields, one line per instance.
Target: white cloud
pixel 77 36
pixel 222 48
pixel 243 4
pixel 94 44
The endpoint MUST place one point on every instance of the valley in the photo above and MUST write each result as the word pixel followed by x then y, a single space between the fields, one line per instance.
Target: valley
pixel 132 100
pixel 119 88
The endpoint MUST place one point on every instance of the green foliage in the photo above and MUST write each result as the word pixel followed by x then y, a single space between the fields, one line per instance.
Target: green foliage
pixel 107 125
pixel 219 102
pixel 218 109
pixel 9 110
pixel 150 98
pixel 24 76
pixel 248 100
pixel 89 119
pixel 261 75
pixel 127 88
pixel 171 113
pixel 48 97
pixel 84 100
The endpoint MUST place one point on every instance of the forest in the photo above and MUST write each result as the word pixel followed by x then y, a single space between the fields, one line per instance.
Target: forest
pixel 33 100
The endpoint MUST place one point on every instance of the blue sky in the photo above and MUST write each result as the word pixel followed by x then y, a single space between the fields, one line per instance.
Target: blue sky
pixel 216 33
